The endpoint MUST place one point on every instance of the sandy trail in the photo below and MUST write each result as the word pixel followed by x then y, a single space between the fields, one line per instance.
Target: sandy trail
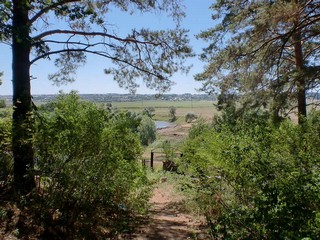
pixel 168 219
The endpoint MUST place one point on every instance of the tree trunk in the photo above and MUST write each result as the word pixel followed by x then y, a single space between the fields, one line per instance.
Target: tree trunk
pixel 300 81
pixel 22 127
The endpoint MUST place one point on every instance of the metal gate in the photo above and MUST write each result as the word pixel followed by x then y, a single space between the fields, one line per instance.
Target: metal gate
pixel 166 158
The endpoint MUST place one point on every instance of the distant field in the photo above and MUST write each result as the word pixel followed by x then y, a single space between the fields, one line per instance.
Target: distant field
pixel 163 104
pixel 203 108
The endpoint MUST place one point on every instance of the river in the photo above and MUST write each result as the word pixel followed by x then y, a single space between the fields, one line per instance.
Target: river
pixel 163 124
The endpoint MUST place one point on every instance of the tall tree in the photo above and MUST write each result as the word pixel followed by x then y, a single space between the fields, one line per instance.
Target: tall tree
pixel 68 30
pixel 263 53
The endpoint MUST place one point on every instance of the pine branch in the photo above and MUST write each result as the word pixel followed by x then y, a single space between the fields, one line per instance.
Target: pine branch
pixel 50 7
pixel 101 54
pixel 92 34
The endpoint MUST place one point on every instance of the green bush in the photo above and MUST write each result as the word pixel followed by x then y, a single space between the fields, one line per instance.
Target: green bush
pixel 6 158
pixel 147 131
pixel 259 182
pixel 239 119
pixel 5 113
pixel 128 119
pixel 3 103
pixel 189 117
pixel 172 113
pixel 200 127
pixel 90 180
pixel 149 111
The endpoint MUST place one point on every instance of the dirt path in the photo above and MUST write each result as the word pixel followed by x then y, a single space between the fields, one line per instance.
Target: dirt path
pixel 168 218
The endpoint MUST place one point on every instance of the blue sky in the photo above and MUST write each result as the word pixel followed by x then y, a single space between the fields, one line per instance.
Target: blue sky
pixel 91 78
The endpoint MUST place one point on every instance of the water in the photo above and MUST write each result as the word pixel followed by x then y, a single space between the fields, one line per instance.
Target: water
pixel 163 124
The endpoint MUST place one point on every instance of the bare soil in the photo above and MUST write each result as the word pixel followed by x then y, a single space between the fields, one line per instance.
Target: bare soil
pixel 169 219
pixel 175 133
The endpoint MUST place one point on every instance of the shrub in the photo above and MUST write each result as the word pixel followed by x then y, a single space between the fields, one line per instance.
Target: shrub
pixel 6 159
pixel 5 113
pixel 172 113
pixel 147 131
pixel 128 119
pixel 167 150
pixel 149 111
pixel 240 119
pixel 200 127
pixel 189 117
pixel 3 103
pixel 257 183
pixel 169 163
pixel 91 181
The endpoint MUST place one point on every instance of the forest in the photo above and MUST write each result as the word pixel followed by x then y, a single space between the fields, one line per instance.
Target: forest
pixel 71 169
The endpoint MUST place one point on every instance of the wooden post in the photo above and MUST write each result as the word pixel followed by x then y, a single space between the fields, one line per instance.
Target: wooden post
pixel 151 161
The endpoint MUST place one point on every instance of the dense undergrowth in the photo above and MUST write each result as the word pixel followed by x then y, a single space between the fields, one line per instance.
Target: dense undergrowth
pixel 89 181
pixel 250 178
pixel 254 180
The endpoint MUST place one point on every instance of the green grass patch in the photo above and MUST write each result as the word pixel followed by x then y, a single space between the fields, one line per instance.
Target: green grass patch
pixel 202 108
pixel 162 104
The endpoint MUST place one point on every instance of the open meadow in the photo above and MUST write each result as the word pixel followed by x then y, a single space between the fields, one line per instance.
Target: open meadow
pixel 204 109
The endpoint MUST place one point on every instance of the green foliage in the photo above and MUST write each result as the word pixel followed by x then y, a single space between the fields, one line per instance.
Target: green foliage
pixel 90 180
pixel 228 117
pixel 150 55
pixel 189 117
pixel 3 103
pixel 257 181
pixel 149 111
pixel 147 131
pixel 238 119
pixel 130 120
pixel 170 162
pixel 200 127
pixel 6 161
pixel 250 52
pixel 168 150
pixel 5 113
pixel 172 113
pixel 153 56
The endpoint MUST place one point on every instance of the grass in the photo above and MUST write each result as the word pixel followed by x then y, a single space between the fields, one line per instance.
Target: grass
pixel 201 108
pixel 205 109
pixel 162 104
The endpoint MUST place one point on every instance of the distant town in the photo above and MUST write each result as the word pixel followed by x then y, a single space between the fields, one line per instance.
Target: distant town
pixel 114 97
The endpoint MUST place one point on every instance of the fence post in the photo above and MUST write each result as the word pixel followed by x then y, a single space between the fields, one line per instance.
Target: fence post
pixel 151 161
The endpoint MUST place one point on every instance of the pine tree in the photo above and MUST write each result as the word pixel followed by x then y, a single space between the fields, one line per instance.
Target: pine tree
pixel 263 53
pixel 32 29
